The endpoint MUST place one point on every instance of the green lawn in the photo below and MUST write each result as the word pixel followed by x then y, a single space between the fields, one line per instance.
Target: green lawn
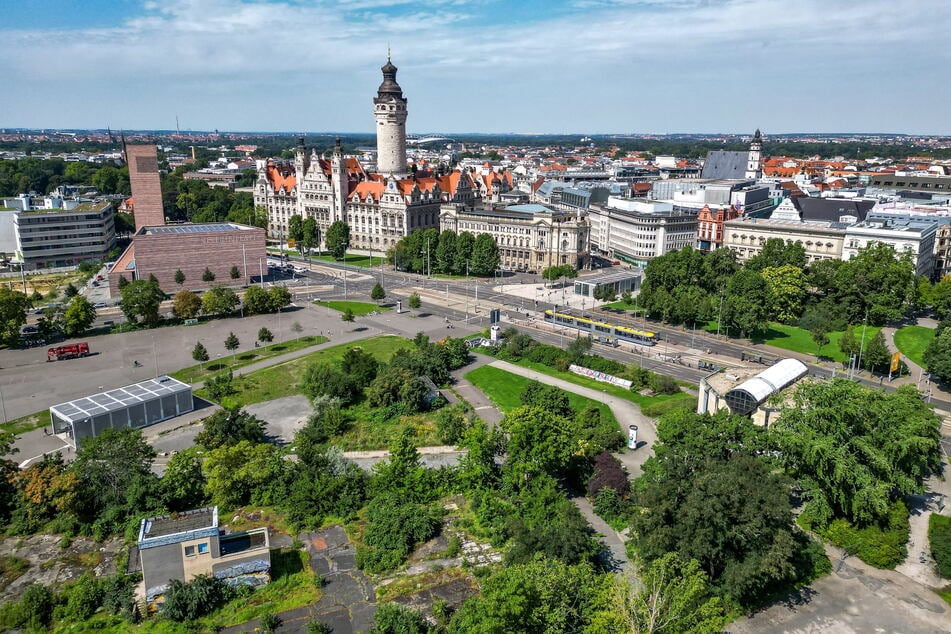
pixel 284 379
pixel 505 388
pixel 27 423
pixel 619 305
pixel 799 340
pixel 911 341
pixel 352 259
pixel 607 388
pixel 195 373
pixel 358 308
pixel 370 429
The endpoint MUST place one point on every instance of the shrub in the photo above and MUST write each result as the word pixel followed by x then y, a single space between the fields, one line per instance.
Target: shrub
pixel 452 423
pixel 608 473
pixel 663 384
pixel 394 527
pixel 393 618
pixel 939 534
pixel 609 505
pixel 882 546
pixel 189 601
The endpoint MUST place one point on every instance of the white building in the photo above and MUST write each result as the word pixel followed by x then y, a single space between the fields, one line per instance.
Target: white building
pixel 58 237
pixel 905 236
pixel 530 237
pixel 638 231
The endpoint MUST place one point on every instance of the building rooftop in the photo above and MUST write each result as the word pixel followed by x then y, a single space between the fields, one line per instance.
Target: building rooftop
pixel 119 398
pixel 725 164
pixel 188 228
pixel 610 278
pixel 164 525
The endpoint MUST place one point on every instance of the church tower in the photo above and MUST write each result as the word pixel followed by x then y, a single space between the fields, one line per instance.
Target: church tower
pixel 389 108
pixel 753 157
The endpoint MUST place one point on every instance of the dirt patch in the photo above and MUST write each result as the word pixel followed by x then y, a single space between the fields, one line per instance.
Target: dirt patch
pixel 51 561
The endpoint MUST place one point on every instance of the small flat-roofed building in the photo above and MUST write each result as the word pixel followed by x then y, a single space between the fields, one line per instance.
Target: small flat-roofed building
pixel 745 391
pixel 61 237
pixel 185 545
pixel 621 281
pixel 133 406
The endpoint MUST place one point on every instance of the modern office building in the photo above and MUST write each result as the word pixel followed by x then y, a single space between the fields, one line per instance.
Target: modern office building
pixel 637 231
pixel 60 237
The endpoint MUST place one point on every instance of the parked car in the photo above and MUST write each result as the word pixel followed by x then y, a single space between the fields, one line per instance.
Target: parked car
pixel 99 305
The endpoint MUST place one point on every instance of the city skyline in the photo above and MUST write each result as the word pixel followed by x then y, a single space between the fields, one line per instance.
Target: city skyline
pixel 575 66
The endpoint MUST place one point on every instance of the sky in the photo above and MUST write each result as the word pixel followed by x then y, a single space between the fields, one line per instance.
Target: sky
pixel 491 66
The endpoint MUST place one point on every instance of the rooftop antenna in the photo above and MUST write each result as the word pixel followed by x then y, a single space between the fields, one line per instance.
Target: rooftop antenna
pixel 388 52
pixel 177 129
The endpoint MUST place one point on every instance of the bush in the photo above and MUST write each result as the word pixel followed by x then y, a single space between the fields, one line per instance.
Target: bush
pixel 394 527
pixel 882 546
pixel 663 384
pixel 939 535
pixel 608 473
pixel 189 601
pixel 393 618
pixel 452 423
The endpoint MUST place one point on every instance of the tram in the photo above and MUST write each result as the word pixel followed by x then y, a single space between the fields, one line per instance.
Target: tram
pixel 599 328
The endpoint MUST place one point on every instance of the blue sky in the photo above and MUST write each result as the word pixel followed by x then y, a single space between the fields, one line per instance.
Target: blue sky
pixel 546 66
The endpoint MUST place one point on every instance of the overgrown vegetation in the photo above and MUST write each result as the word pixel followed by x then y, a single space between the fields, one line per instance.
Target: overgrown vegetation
pixel 939 536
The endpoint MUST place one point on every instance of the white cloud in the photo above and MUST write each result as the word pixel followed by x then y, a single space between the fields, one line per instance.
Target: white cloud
pixel 461 57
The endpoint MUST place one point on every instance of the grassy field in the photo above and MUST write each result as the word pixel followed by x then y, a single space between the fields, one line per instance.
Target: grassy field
pixel 195 373
pixel 607 388
pixel 619 305
pixel 27 423
pixel 353 259
pixel 358 308
pixel 911 341
pixel 284 379
pixel 370 430
pixel 504 389
pixel 799 340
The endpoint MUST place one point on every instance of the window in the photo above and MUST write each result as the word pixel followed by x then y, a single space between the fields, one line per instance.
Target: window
pixel 203 548
pixel 189 551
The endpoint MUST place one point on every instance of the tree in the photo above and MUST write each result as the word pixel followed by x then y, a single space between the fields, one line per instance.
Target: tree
pixel 785 292
pixel 347 315
pixel 674 596
pixel 295 231
pixel 485 255
pixel 232 343
pixel 114 470
pixel 937 355
pixel 13 307
pixel 183 483
pixel 245 473
pixel 539 441
pixel 207 275
pixel 360 365
pixel 465 243
pixel 228 427
pixel 820 337
pixel 123 282
pixel 854 450
pixel 324 378
pixel 78 317
pixel 140 301
pixel 279 297
pixel 70 291
pixel 876 280
pixel 235 272
pixel 445 252
pixel 337 239
pixel 257 301
pixel 746 307
pixel 414 301
pixel 876 355
pixel 186 304
pixel 179 277
pixel 377 294
pixel 219 300
pixel 199 353
pixel 265 335
pixel 543 595
pixel 848 343
pixel 732 516
pixel 186 602
pixel 311 237
pixel 777 253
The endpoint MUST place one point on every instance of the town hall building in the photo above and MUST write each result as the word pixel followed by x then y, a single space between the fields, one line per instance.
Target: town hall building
pixel 381 206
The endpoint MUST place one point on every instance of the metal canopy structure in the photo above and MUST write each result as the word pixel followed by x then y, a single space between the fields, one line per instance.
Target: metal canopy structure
pixel 747 396
pixel 137 405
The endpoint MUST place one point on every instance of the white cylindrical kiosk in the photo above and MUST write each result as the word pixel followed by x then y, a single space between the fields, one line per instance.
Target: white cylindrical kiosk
pixel 632 437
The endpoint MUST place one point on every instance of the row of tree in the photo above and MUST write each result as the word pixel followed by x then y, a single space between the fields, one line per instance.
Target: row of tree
pixel 22 176
pixel 876 287
pixel 446 252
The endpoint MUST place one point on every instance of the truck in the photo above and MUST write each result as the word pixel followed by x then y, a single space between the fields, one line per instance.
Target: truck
pixel 70 351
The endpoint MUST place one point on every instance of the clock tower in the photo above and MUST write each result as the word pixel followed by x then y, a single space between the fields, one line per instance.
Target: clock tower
pixel 389 108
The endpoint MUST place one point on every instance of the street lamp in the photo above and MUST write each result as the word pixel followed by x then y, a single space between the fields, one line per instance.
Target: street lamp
pixel 345 245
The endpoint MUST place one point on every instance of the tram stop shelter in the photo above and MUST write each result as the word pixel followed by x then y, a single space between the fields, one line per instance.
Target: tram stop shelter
pixel 747 391
pixel 133 406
